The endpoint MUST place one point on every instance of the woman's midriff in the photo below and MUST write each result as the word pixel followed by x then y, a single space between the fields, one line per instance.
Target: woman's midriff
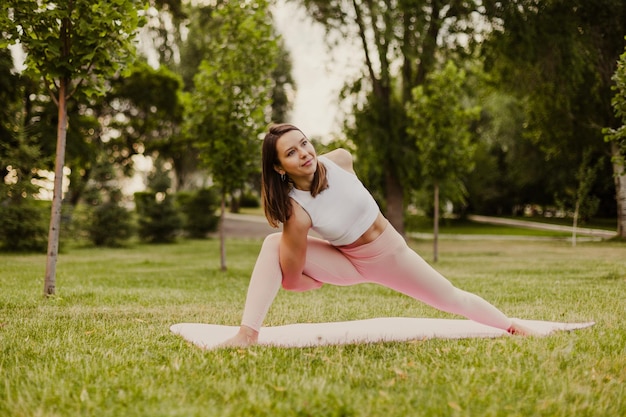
pixel 370 234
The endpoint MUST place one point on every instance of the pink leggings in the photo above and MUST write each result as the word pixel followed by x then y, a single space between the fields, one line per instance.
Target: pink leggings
pixel 387 261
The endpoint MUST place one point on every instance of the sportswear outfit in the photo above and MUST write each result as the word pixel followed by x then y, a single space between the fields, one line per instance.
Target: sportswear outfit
pixel 341 214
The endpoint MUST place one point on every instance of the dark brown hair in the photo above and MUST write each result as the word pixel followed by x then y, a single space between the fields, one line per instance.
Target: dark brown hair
pixel 275 191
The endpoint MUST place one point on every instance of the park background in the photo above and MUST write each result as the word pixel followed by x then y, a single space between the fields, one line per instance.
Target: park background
pixel 129 151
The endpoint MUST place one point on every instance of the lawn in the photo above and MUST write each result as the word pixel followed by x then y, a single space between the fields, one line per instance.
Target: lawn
pixel 102 346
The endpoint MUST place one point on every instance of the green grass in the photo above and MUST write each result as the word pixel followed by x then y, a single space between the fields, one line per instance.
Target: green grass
pixel 102 347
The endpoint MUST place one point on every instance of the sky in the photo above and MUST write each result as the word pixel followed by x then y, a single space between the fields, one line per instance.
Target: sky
pixel 319 72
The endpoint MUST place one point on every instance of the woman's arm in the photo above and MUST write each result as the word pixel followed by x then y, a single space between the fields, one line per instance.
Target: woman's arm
pixel 293 242
pixel 292 252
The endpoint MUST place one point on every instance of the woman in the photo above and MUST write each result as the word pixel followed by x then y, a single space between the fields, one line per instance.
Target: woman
pixel 359 245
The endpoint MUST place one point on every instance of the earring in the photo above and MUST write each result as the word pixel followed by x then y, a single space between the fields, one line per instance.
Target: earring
pixel 283 177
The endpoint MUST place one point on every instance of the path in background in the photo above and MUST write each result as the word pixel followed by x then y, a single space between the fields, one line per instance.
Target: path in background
pixel 254 227
pixel 246 226
pixel 600 233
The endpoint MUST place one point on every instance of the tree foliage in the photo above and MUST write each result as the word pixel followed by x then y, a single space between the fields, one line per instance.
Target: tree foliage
pixel 440 123
pixel 401 43
pixel 142 114
pixel 618 134
pixel 233 89
pixel 559 57
pixel 73 46
pixel 76 41
pixel 554 59
pixel 22 219
pixel 232 99
pixel 617 137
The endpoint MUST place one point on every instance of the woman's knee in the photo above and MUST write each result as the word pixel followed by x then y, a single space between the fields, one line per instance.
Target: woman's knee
pixel 272 241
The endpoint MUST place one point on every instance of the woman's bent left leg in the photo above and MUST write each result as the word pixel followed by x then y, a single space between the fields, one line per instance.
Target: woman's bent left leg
pixel 324 263
pixel 264 283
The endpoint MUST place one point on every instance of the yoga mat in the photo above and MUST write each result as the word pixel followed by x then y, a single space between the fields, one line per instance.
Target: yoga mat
pixel 209 336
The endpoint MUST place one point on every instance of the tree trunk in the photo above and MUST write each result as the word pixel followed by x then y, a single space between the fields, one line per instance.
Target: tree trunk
pixel 57 197
pixel 575 223
pixel 382 92
pixel 619 174
pixel 222 235
pixel 436 224
pixel 235 201
pixel 395 202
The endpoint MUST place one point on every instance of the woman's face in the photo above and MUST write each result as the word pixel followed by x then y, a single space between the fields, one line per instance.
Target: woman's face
pixel 296 156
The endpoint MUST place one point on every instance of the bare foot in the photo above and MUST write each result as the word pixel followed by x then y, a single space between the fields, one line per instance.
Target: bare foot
pixel 518 329
pixel 245 337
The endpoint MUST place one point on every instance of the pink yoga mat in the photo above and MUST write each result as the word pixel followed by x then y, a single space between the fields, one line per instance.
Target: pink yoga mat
pixel 208 336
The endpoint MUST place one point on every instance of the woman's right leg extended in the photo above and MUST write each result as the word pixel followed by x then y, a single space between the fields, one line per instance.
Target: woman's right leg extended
pixel 390 262
pixel 413 276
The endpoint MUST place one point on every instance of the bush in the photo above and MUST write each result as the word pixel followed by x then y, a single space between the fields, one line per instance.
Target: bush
pixel 158 219
pixel 24 226
pixel 199 209
pixel 75 221
pixel 249 200
pixel 111 225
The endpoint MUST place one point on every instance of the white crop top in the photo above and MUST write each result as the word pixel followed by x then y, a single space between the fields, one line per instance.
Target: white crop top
pixel 342 212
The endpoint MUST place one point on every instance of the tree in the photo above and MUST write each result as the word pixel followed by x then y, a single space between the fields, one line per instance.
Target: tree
pixel 73 46
pixel 164 19
pixel 617 138
pixel 492 187
pixel 559 57
pixel 284 84
pixel 10 96
pixel 231 104
pixel 440 124
pixel 18 150
pixel 584 205
pixel 22 219
pixel 145 110
pixel 202 27
pixel 402 34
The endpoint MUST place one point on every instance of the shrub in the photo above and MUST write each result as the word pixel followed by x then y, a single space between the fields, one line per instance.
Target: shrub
pixel 24 226
pixel 158 219
pixel 75 221
pixel 198 209
pixel 249 200
pixel 111 225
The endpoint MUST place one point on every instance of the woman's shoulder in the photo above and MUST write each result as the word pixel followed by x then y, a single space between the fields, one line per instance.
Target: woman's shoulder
pixel 299 220
pixel 342 158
